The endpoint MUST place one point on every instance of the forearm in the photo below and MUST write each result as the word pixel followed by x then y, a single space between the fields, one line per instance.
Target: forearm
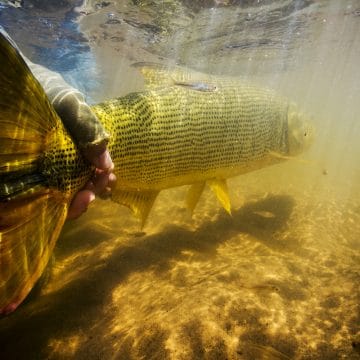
pixel 70 104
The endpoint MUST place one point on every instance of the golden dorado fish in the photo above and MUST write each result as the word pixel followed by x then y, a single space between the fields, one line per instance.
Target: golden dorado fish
pixel 185 129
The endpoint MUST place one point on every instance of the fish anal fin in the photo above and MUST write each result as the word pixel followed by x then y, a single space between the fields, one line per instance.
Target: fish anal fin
pixel 29 228
pixel 193 195
pixel 140 202
pixel 220 189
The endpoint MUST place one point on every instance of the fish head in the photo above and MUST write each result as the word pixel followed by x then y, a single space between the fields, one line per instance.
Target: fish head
pixel 301 132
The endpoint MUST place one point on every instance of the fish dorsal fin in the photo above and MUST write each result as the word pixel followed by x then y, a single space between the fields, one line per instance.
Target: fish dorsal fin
pixel 220 189
pixel 158 75
pixel 140 202
pixel 193 195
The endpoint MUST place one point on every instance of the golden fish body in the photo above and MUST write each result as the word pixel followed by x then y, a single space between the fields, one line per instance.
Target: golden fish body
pixel 175 136
pixel 185 129
pixel 178 135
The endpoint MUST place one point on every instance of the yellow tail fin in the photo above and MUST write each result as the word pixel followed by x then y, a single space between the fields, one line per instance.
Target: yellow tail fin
pixel 31 214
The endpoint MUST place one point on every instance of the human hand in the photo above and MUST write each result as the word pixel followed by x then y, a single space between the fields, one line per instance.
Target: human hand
pixel 101 184
pixel 92 139
pixel 87 132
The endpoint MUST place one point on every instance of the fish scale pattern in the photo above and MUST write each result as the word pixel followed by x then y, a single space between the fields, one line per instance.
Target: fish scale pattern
pixel 62 165
pixel 177 135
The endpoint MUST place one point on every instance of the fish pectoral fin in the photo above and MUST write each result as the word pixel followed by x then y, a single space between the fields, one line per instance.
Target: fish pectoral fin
pixel 155 75
pixel 288 157
pixel 140 202
pixel 197 85
pixel 193 195
pixel 280 156
pixel 220 189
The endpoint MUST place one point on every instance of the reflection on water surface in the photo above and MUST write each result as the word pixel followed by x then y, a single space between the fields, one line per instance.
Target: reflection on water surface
pixel 277 280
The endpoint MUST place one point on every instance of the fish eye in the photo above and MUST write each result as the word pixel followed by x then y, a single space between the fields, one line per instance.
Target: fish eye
pixel 305 133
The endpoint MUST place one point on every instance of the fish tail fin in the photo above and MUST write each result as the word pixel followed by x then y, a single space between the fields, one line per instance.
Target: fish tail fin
pixel 31 214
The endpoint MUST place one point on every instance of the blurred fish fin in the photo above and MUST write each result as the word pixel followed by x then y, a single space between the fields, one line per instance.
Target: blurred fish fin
pixel 220 189
pixel 198 86
pixel 286 157
pixel 29 228
pixel 158 75
pixel 155 75
pixel 193 195
pixel 280 156
pixel 140 202
pixel 31 215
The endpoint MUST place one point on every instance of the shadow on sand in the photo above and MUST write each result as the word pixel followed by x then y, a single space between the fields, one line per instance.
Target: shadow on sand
pixel 77 305
pixel 84 305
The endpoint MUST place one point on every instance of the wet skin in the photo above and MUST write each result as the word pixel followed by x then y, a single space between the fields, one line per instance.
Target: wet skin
pixel 100 184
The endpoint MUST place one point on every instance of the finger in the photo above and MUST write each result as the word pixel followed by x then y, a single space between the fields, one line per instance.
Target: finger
pixel 105 194
pixel 100 182
pixel 103 184
pixel 89 186
pixel 112 180
pixel 80 203
pixel 103 161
